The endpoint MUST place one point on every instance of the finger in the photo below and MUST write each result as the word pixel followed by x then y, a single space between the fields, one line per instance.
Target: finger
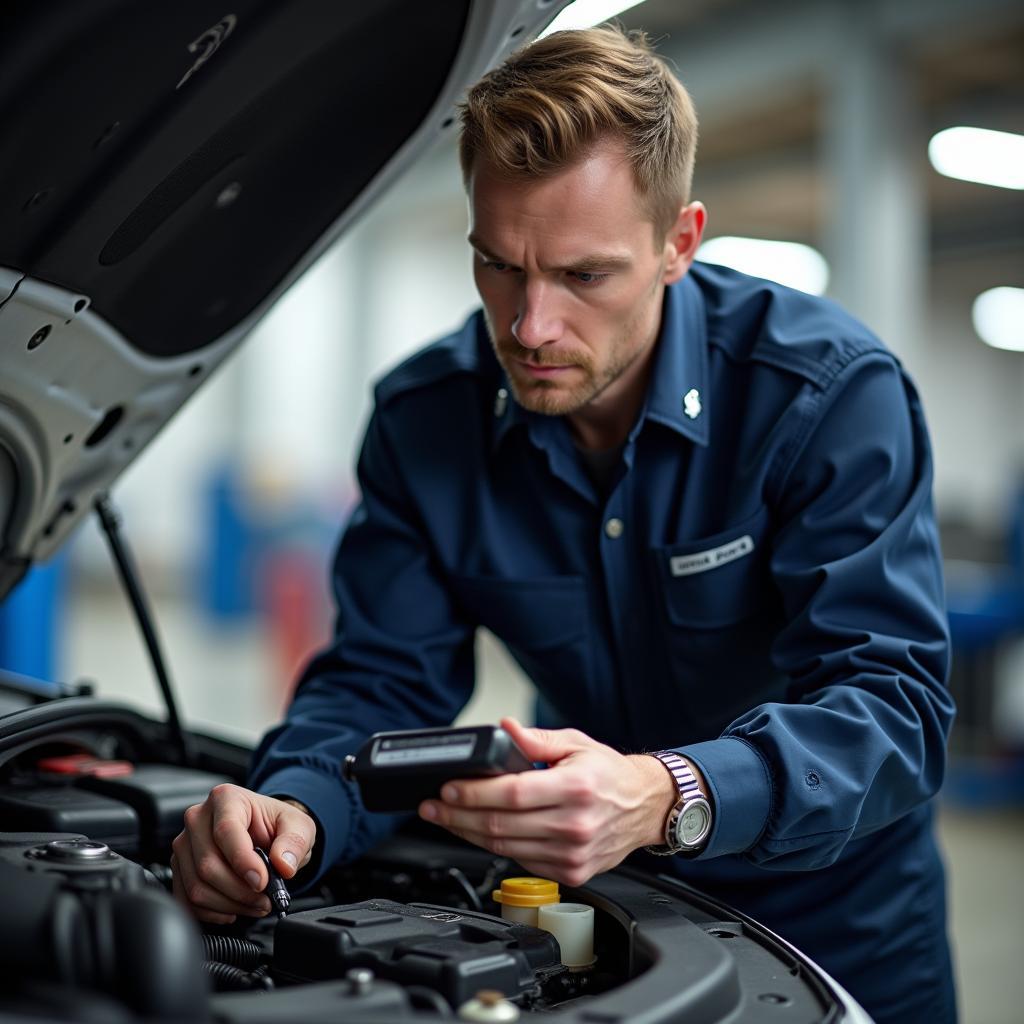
pixel 230 810
pixel 553 823
pixel 548 745
pixel 205 900
pixel 293 842
pixel 178 888
pixel 211 868
pixel 202 897
pixel 530 790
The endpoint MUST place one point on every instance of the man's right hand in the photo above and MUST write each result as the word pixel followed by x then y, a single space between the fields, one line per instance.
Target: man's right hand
pixel 217 873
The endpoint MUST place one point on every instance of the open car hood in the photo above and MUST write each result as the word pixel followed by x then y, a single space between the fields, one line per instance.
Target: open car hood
pixel 167 171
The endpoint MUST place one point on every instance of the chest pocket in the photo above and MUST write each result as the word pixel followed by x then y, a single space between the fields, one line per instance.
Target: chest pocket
pixel 544 622
pixel 721 616
pixel 716 581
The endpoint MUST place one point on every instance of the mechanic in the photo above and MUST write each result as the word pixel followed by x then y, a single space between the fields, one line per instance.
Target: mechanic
pixel 694 505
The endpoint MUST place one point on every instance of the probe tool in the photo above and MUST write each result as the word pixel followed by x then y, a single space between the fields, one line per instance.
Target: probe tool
pixel 276 890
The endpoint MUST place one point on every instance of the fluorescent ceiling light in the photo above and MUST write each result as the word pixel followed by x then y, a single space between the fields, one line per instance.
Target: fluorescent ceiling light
pixel 788 263
pixel 998 316
pixel 979 154
pixel 585 13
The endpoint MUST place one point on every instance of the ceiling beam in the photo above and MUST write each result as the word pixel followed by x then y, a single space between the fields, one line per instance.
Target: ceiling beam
pixel 745 53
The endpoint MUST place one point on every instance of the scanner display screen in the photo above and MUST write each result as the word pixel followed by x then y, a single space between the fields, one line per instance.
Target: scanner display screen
pixel 395 771
pixel 443 748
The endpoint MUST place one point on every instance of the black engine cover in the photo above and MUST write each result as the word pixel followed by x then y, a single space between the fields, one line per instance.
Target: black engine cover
pixel 455 953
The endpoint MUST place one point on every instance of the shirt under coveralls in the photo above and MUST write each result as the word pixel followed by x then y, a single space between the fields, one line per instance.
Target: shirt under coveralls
pixel 758 586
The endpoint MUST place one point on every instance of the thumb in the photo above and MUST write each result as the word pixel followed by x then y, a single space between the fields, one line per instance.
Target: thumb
pixel 294 833
pixel 548 745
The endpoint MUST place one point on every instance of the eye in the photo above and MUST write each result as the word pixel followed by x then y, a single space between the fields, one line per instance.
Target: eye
pixel 587 277
pixel 496 266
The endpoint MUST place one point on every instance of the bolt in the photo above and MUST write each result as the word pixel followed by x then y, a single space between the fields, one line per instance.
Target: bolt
pixel 360 980
pixel 228 195
pixel 39 337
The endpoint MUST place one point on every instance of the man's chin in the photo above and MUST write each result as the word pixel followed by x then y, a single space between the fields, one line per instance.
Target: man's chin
pixel 547 399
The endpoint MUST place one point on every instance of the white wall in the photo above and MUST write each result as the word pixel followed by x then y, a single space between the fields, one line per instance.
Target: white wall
pixel 974 398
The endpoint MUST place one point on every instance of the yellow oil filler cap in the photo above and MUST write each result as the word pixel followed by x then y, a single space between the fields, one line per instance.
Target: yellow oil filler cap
pixel 520 898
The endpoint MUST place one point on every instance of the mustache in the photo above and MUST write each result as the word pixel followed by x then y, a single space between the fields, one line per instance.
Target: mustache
pixel 511 349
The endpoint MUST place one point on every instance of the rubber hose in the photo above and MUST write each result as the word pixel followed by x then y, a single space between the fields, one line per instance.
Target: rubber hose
pixel 231 950
pixel 231 979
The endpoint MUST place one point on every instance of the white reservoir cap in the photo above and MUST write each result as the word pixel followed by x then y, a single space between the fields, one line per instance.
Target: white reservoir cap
pixel 573 925
pixel 489 1007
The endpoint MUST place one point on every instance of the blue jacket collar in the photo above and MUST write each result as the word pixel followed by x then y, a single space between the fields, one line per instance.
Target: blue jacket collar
pixel 678 395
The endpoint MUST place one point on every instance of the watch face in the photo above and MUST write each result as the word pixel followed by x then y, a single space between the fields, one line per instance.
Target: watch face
pixel 693 824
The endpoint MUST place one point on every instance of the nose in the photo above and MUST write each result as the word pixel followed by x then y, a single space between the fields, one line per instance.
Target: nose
pixel 536 321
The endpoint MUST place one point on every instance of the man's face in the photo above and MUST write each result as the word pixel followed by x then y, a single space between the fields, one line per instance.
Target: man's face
pixel 571 277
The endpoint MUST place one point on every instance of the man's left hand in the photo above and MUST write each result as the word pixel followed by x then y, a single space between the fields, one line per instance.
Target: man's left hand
pixel 583 815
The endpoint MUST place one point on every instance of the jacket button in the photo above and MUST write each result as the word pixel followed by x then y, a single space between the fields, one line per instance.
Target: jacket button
pixel 613 528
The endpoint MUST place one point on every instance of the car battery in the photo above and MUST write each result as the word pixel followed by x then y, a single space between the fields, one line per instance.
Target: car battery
pixel 64 807
pixel 159 795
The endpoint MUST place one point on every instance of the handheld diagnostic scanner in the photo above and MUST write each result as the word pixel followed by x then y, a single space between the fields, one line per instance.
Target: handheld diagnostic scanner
pixel 395 771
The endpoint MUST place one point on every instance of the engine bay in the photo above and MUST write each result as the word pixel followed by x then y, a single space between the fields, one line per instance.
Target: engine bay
pixel 91 797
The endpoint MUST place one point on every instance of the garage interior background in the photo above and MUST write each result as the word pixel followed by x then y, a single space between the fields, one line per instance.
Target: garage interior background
pixel 815 121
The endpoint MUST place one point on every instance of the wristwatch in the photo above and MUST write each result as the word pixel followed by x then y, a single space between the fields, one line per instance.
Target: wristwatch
pixel 689 822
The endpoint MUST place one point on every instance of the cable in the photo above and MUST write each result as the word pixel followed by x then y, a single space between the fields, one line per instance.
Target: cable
pixel 463 883
pixel 110 523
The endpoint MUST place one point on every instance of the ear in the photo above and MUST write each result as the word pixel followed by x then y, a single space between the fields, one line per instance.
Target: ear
pixel 683 239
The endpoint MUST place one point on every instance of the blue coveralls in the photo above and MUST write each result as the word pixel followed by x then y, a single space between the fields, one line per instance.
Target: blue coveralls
pixel 770 604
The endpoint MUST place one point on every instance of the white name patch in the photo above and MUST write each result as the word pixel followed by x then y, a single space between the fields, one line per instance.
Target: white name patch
pixel 702 561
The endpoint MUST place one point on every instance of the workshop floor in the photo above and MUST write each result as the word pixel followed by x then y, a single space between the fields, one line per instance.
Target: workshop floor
pixel 226 679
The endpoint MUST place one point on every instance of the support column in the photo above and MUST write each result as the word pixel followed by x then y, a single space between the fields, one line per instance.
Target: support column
pixel 876 232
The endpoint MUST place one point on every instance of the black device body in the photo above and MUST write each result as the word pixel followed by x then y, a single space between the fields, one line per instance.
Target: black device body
pixel 397 770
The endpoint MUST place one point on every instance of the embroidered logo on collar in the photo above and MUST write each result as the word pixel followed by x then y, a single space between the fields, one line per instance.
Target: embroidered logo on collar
pixel 702 561
pixel 691 403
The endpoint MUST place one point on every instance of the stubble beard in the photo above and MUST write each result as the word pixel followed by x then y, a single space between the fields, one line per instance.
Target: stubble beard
pixel 555 397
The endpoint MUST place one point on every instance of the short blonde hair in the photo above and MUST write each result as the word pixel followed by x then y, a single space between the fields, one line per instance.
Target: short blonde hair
pixel 552 101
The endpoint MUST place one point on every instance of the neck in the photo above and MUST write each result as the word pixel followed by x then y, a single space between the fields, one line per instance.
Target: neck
pixel 606 420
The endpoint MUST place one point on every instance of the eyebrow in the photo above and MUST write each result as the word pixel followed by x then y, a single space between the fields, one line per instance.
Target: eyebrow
pixel 585 264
